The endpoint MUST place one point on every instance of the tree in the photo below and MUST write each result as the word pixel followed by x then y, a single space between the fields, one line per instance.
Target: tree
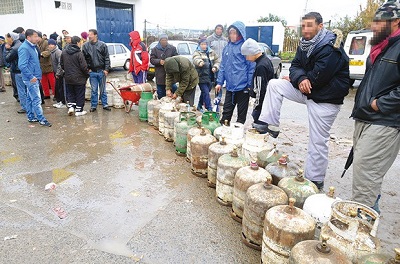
pixel 272 18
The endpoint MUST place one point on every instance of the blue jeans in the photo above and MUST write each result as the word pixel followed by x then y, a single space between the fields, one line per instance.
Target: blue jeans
pixel 205 96
pixel 21 87
pixel 161 90
pixel 33 101
pixel 98 82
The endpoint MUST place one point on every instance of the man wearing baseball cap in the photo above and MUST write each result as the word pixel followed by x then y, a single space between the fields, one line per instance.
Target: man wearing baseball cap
pixel 376 111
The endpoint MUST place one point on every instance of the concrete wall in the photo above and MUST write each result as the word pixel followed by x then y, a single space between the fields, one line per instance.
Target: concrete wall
pixel 42 15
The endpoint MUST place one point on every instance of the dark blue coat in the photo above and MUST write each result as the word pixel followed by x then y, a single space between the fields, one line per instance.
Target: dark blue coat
pixel 327 69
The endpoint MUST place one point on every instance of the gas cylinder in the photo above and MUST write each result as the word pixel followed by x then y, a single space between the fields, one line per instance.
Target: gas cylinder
pixel 183 107
pixel 165 108
pixel 259 198
pixel 317 252
pixel 150 110
pixel 284 227
pixel 380 258
pixel 266 157
pixel 298 187
pixel 169 120
pixel 210 120
pixel 215 151
pixel 280 169
pixel 156 111
pixel 187 120
pixel 192 132
pixel 319 206
pixel 227 166
pixel 254 143
pixel 244 178
pixel 145 97
pixel 222 131
pixel 199 148
pixel 352 229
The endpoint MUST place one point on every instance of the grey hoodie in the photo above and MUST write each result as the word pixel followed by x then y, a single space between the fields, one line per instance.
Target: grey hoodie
pixel 55 61
pixel 217 43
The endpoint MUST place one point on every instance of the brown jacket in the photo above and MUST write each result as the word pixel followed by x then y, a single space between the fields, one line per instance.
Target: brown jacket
pixel 45 58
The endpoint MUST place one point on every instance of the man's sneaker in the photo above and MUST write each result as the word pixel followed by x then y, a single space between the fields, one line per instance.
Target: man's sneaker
pixel 80 113
pixel 2 90
pixel 92 109
pixel 45 123
pixel 107 108
pixel 33 120
pixel 71 111
pixel 21 111
pixel 263 129
pixel 56 104
pixel 320 185
pixel 61 105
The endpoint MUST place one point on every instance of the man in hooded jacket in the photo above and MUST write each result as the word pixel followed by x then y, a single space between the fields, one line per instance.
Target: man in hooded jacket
pixel 319 78
pixel 237 72
pixel 139 63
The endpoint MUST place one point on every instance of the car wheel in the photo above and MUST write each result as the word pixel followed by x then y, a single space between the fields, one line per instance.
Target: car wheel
pixel 278 71
pixel 150 77
pixel 352 82
pixel 126 65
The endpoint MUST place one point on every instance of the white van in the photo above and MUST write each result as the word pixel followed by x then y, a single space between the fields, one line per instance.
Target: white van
pixel 358 47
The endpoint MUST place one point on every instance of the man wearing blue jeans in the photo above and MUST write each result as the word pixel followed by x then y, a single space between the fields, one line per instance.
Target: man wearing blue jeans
pixel 98 60
pixel 28 63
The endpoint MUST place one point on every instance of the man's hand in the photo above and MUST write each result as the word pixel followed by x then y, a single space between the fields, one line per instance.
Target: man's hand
pixel 201 63
pixel 214 69
pixel 217 88
pixel 169 93
pixel 286 78
pixel 162 62
pixel 105 73
pixel 374 105
pixel 305 86
pixel 33 80
pixel 174 96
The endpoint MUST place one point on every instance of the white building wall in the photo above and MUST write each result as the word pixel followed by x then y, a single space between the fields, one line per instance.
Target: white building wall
pixel 42 15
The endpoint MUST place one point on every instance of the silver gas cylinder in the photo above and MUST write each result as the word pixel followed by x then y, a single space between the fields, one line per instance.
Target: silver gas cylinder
pixel 169 124
pixel 266 156
pixel 317 252
pixel 255 143
pixel 298 187
pixel 281 169
pixel 352 229
pixel 259 199
pixel 227 166
pixel 199 146
pixel 319 206
pixel 222 131
pixel 244 178
pixel 284 227
pixel 150 110
pixel 236 135
pixel 192 132
pixel 380 258
pixel 215 151
pixel 165 108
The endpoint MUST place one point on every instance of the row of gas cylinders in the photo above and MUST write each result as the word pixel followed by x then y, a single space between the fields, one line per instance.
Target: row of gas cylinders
pixel 282 213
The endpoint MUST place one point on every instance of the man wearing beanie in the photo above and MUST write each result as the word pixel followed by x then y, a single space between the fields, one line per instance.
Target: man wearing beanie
pixel 263 72
pixel 376 111
pixel 158 55
pixel 319 78
pixel 237 72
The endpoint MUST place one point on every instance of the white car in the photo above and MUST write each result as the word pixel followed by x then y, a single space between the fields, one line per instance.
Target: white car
pixel 119 55
pixel 276 61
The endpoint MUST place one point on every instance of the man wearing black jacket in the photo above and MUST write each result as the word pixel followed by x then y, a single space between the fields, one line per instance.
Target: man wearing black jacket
pixel 263 72
pixel 376 139
pixel 319 78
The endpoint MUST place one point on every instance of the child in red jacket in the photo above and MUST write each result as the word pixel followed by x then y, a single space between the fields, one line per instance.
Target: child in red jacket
pixel 139 63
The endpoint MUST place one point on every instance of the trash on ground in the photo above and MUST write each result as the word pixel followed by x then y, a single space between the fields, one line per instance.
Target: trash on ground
pixel 50 186
pixel 60 212
pixel 10 237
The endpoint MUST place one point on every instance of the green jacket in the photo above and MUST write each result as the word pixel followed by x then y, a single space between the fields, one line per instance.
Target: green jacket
pixel 180 69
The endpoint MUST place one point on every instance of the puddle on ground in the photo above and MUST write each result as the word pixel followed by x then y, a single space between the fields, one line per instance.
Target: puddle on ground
pixel 42 178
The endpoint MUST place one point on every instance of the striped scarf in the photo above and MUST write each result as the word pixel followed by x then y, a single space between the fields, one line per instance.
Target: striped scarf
pixel 309 45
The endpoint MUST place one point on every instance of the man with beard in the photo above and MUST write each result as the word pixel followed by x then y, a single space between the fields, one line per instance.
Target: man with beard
pixel 376 111
pixel 318 78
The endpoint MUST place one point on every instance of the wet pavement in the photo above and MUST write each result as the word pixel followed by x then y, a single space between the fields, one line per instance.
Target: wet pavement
pixel 126 197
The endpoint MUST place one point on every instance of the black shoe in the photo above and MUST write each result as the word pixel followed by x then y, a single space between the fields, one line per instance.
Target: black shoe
pixel 92 109
pixel 2 90
pixel 21 111
pixel 33 120
pixel 46 97
pixel 45 123
pixel 263 129
pixel 320 185
pixel 107 108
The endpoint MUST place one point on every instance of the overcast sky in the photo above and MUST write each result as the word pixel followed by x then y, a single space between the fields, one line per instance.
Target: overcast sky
pixel 203 14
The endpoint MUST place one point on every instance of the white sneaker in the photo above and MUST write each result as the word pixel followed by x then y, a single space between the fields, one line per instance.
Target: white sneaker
pixel 80 113
pixel 56 105
pixel 61 105
pixel 71 111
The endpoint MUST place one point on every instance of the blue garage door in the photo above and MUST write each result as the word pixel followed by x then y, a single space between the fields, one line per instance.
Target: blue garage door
pixel 262 34
pixel 114 21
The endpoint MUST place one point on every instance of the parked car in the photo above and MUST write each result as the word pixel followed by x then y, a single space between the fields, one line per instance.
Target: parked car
pixel 358 47
pixel 184 48
pixel 276 61
pixel 119 55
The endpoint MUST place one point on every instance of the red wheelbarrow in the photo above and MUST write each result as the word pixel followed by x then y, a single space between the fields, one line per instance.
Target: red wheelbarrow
pixel 131 94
